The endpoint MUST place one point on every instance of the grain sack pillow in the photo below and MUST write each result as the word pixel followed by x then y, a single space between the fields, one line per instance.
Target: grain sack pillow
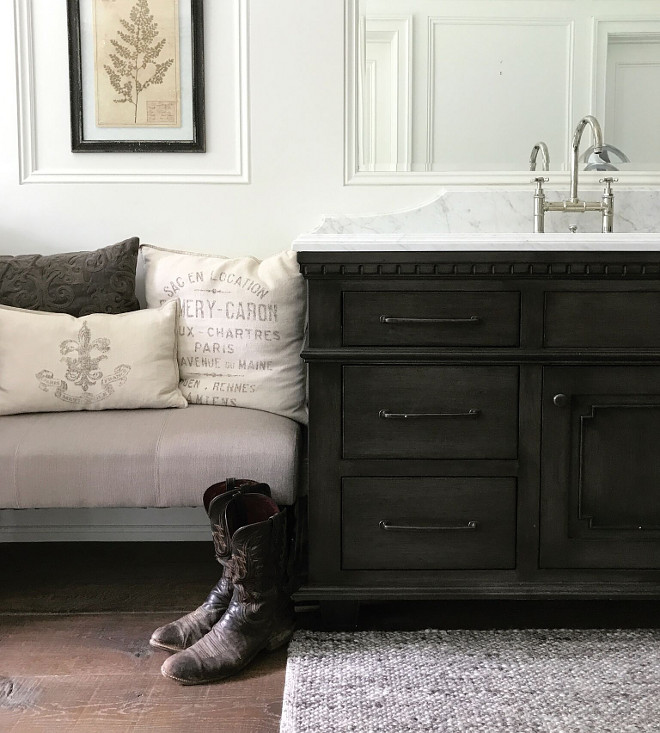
pixel 241 327
pixel 52 362
pixel 77 283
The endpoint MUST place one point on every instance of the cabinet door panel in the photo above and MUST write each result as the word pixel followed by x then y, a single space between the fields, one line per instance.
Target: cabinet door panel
pixel 430 412
pixel 601 467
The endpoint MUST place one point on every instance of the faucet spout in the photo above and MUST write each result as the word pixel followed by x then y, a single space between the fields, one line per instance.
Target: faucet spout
pixel 542 148
pixel 577 138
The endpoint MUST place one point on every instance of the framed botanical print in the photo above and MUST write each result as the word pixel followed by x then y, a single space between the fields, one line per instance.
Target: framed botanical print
pixel 136 73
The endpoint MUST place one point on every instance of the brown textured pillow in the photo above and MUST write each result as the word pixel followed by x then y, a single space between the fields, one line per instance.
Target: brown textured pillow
pixel 77 283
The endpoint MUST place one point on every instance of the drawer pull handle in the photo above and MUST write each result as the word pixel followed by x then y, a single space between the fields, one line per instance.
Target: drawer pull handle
pixel 397 319
pixel 388 527
pixel 387 415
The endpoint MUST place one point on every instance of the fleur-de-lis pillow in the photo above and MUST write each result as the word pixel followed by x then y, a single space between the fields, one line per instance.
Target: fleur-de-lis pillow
pixel 54 362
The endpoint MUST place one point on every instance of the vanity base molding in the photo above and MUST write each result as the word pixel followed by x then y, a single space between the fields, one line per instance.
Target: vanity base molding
pixel 482 425
pixel 519 591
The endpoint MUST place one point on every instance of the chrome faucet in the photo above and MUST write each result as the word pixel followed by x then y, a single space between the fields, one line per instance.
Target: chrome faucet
pixel 542 148
pixel 573 204
pixel 577 138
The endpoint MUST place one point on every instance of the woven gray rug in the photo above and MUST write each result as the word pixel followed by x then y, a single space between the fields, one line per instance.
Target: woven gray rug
pixel 526 681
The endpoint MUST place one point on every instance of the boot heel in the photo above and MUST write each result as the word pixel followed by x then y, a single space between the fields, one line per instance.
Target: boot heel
pixel 280 639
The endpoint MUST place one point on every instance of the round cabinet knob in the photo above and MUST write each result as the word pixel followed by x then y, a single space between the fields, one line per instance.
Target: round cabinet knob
pixel 560 400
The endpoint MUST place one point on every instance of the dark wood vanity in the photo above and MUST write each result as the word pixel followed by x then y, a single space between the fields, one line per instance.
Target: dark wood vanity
pixel 483 424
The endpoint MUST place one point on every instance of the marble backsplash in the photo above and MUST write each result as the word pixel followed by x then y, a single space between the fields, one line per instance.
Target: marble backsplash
pixel 455 212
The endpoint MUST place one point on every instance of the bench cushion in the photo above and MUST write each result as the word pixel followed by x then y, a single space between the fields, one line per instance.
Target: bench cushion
pixel 143 458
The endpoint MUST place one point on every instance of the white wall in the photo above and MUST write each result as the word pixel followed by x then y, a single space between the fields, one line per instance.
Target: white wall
pixel 296 118
pixel 295 140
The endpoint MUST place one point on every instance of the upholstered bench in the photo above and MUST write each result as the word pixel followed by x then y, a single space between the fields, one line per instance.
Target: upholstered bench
pixel 143 458
pixel 114 416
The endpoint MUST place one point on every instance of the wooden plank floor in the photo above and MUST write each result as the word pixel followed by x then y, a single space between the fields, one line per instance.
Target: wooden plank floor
pixel 74 652
pixel 75 620
pixel 96 672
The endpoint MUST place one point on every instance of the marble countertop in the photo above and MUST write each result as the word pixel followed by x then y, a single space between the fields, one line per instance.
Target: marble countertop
pixel 477 242
pixel 496 220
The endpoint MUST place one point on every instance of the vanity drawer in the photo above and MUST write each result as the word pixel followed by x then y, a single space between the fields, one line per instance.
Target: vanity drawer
pixel 600 320
pixel 428 523
pixel 431 319
pixel 430 411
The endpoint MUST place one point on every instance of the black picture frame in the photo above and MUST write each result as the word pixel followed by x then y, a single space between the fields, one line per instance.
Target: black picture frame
pixel 195 143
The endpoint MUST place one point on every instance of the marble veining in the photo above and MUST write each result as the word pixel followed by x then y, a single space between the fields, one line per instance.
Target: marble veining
pixel 492 220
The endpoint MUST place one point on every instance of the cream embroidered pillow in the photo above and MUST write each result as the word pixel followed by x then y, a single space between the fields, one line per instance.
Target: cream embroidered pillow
pixel 53 362
pixel 241 327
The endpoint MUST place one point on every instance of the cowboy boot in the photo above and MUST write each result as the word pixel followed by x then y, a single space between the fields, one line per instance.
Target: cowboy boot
pixel 260 614
pixel 184 632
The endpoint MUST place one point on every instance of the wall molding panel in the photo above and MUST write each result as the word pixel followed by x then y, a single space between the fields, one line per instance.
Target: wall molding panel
pixel 230 164
pixel 436 23
pixel 27 144
pixel 385 100
pixel 626 62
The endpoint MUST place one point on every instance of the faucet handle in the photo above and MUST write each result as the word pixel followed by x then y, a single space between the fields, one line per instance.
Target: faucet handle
pixel 608 181
pixel 539 181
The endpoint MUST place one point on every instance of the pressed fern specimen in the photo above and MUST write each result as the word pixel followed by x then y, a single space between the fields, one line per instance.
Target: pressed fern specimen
pixel 136 55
